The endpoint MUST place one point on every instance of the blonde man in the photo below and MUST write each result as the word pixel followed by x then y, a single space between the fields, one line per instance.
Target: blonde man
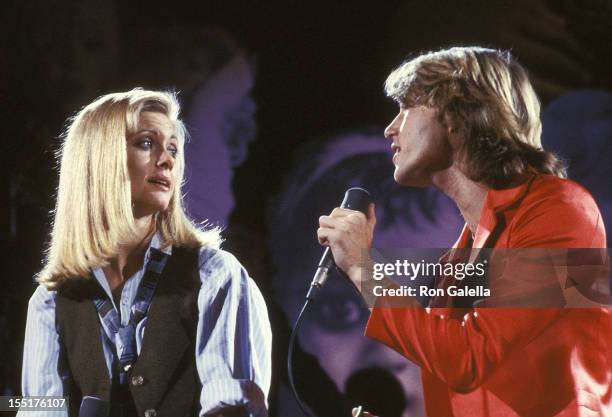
pixel 138 312
pixel 469 125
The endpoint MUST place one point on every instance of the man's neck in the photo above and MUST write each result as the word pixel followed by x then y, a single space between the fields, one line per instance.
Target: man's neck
pixel 467 194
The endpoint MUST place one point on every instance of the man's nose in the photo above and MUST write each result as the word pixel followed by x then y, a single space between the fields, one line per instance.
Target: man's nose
pixel 391 129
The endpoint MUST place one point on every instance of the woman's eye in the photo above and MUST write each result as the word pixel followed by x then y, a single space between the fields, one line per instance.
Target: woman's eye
pixel 173 151
pixel 145 143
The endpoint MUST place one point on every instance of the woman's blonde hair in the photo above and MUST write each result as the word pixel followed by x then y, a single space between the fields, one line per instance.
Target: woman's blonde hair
pixel 93 213
pixel 486 94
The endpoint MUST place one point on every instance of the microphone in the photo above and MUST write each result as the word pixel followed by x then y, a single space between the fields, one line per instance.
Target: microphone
pixel 355 199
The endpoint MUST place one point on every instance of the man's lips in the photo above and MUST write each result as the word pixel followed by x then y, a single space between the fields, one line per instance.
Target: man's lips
pixel 396 150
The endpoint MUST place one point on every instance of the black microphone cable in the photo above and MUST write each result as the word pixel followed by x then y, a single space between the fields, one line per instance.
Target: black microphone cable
pixel 294 334
pixel 355 199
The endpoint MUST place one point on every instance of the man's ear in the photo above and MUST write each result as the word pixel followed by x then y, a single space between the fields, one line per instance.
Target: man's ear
pixel 454 134
pixel 455 138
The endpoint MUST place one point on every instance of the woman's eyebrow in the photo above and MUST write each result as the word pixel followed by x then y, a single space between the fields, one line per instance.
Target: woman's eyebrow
pixel 155 131
pixel 147 131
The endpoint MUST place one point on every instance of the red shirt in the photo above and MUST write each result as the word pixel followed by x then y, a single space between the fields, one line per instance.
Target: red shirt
pixel 536 362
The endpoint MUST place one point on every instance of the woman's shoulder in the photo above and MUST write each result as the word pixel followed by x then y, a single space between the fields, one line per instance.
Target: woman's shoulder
pixel 43 299
pixel 210 257
pixel 220 265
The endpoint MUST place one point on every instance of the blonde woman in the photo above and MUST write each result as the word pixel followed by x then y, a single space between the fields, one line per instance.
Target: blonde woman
pixel 138 311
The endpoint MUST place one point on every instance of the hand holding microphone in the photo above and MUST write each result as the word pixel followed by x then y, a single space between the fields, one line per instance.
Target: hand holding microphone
pixel 346 232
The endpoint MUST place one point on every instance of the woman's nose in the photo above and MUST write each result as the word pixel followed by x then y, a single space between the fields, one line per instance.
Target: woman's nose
pixel 165 159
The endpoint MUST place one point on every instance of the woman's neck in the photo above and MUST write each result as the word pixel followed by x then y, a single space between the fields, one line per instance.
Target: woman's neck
pixel 130 256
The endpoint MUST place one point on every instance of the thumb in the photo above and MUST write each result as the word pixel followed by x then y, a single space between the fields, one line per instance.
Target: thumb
pixel 372 214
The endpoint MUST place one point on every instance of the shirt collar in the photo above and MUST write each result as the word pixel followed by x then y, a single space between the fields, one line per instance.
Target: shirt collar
pixel 499 200
pixel 496 201
pixel 156 243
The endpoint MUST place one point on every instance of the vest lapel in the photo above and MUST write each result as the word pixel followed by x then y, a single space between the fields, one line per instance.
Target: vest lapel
pixel 167 338
pixel 79 330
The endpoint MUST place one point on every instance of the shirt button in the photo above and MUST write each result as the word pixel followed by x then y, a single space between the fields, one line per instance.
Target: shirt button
pixel 150 413
pixel 138 381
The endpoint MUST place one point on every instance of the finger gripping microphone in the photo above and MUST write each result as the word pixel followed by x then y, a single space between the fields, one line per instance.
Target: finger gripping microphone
pixel 355 199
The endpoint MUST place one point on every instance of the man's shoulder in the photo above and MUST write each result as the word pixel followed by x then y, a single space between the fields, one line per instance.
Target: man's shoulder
pixel 557 212
pixel 553 191
pixel 556 185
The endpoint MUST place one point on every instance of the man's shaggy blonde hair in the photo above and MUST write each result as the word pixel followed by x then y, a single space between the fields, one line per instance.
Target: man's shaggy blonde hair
pixel 486 94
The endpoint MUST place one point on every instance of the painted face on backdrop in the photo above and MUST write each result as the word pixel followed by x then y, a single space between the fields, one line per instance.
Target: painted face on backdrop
pixel 333 329
pixel 222 124
pixel 419 144
pixel 151 157
pixel 578 126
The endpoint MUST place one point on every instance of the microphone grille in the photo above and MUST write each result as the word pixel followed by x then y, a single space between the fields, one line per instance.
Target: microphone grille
pixel 357 198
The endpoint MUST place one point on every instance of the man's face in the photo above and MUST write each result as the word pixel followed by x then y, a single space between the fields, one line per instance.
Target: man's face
pixel 420 146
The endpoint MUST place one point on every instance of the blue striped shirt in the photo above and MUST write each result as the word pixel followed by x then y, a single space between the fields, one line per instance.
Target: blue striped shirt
pixel 233 346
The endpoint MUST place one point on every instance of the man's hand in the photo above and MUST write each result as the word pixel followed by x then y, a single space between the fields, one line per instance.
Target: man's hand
pixel 348 233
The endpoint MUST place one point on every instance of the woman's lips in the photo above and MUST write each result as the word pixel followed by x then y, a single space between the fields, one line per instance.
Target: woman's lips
pixel 160 182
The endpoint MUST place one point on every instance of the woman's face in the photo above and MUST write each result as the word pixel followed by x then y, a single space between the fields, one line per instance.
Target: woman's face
pixel 151 157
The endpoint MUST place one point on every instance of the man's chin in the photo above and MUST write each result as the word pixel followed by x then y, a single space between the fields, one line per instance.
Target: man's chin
pixel 406 180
